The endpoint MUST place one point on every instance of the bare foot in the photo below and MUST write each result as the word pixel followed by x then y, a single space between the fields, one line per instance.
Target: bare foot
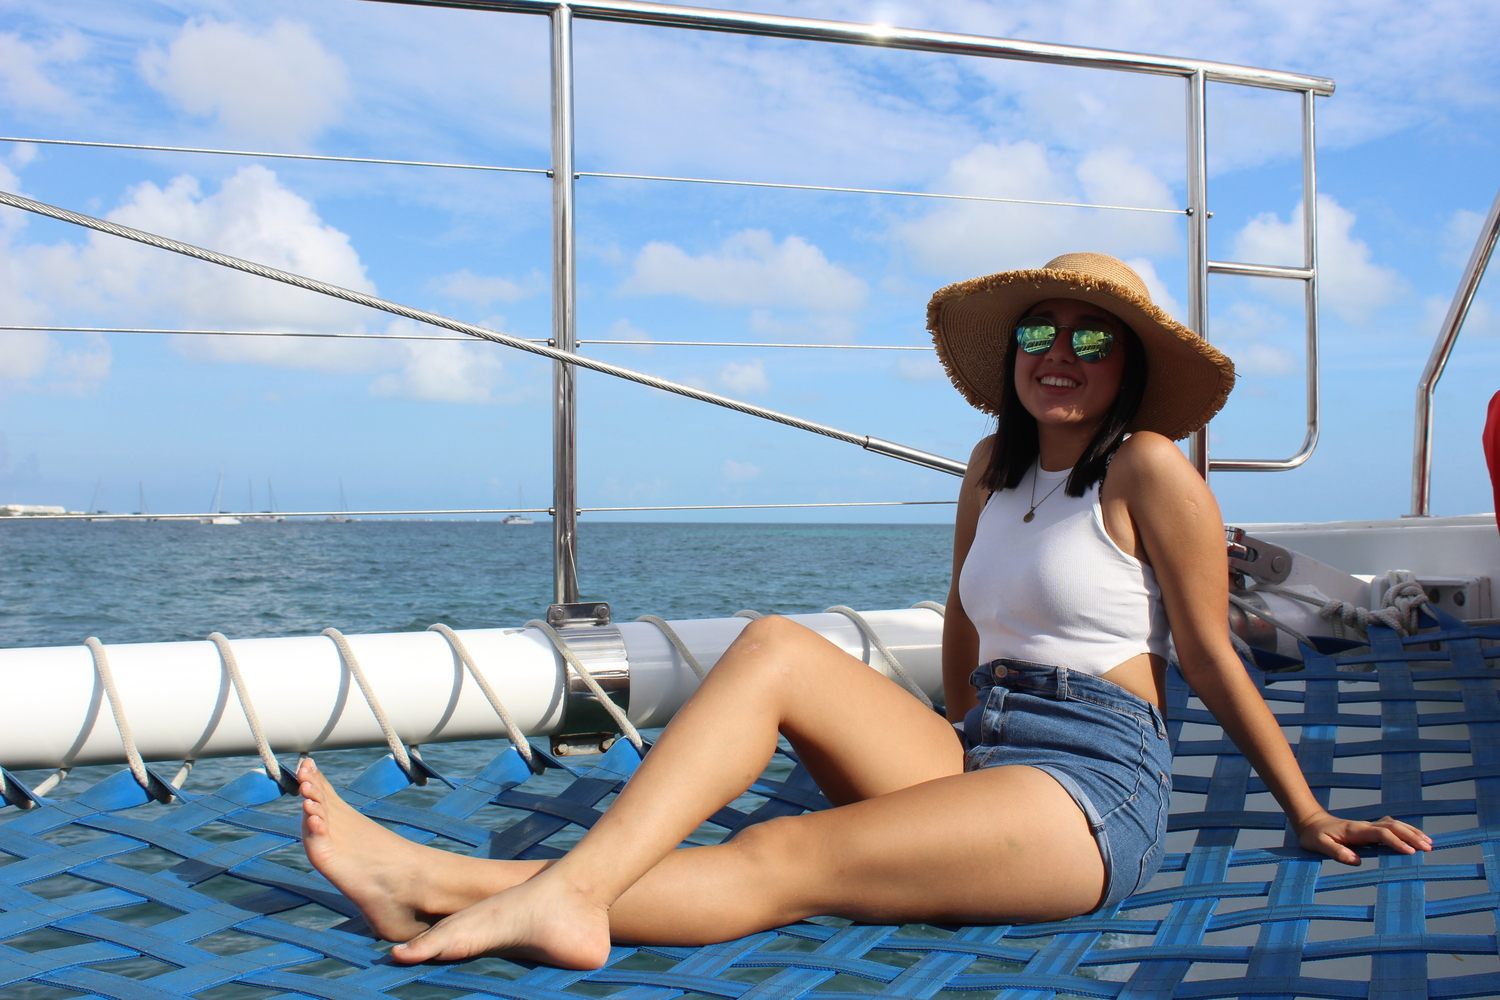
pixel 402 888
pixel 542 920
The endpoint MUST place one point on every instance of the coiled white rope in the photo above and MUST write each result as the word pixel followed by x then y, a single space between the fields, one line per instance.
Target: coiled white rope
pixel 512 731
pixel 572 660
pixel 117 709
pixel 898 673
pixel 677 644
pixel 1398 611
pixel 392 740
pixel 252 719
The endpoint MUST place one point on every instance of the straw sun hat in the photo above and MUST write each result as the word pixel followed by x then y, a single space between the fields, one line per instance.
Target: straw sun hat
pixel 973 324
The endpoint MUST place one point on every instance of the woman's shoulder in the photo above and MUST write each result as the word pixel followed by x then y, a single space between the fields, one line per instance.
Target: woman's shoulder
pixel 979 457
pixel 1150 461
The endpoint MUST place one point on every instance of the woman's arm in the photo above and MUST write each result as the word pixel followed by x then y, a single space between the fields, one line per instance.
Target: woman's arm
pixel 960 640
pixel 1181 531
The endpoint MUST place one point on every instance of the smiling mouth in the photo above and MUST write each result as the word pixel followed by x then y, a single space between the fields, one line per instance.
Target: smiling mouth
pixel 1059 381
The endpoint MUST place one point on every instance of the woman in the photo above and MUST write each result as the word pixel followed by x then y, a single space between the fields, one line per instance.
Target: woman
pixel 1049 800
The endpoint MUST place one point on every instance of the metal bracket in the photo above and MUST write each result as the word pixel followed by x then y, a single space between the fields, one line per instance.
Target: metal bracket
pixel 1266 562
pixel 586 727
pixel 1255 630
pixel 561 616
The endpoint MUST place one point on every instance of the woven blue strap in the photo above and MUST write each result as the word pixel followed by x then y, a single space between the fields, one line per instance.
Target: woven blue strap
pixel 113 894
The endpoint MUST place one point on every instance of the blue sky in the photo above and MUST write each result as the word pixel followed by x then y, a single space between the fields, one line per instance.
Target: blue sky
pixel 1407 152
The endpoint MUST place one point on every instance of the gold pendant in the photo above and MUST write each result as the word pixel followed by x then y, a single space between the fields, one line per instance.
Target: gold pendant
pixel 1029 515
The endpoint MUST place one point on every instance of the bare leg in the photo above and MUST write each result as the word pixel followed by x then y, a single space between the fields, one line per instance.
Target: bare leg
pixel 776 676
pixel 1002 845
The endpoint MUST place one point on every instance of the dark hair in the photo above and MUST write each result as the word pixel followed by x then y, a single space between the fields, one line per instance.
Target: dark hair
pixel 1016 444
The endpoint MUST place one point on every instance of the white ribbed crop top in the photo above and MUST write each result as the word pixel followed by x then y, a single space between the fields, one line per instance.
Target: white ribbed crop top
pixel 1058 589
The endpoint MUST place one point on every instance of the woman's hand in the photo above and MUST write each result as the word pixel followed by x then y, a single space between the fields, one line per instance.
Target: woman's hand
pixel 1328 834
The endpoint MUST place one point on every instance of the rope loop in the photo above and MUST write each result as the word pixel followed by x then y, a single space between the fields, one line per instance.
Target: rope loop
pixel 242 691
pixel 392 740
pixel 898 673
pixel 1400 604
pixel 512 731
pixel 942 612
pixel 571 660
pixel 677 644
pixel 122 724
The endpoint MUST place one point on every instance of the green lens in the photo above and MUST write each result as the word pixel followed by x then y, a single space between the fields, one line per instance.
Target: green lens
pixel 1092 345
pixel 1035 336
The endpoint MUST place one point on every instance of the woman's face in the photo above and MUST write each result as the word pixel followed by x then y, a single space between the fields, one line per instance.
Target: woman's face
pixel 1058 389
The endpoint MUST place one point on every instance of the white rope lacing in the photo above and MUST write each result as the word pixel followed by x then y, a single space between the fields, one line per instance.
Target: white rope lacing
pixel 512 731
pixel 677 644
pixel 53 780
pixel 749 613
pixel 262 745
pixel 1399 606
pixel 117 709
pixel 898 673
pixel 392 740
pixel 942 612
pixel 571 659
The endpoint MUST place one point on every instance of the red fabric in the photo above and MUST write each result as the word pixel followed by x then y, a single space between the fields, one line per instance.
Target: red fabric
pixel 1492 446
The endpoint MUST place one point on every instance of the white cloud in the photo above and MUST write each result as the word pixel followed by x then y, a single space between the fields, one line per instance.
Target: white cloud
pixel 25 355
pixel 1158 289
pixel 72 365
pixel 485 290
pixel 1459 236
pixel 1482 319
pixel 1260 340
pixel 817 328
pixel 744 379
pixel 623 329
pixel 749 269
pixel 1350 283
pixel 923 367
pixel 277 84
pixel 740 472
pixel 965 238
pixel 444 372
pixel 252 216
pixel 21 155
pixel 26 71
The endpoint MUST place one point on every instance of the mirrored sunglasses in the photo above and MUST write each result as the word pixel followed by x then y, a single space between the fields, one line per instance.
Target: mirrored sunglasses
pixel 1035 335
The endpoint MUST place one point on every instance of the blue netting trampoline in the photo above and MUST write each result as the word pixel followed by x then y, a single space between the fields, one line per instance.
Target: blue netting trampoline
pixel 114 894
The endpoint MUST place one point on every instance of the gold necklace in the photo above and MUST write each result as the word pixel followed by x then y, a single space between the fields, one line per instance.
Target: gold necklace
pixel 1035 503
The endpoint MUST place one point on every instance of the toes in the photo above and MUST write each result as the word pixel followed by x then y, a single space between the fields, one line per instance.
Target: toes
pixel 419 949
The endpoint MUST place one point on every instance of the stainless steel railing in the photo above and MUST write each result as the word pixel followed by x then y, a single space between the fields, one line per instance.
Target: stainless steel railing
pixel 564 342
pixel 1196 73
pixel 1437 361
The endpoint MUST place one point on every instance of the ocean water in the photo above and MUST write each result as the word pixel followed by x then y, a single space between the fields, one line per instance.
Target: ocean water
pixel 157 581
pixel 61 582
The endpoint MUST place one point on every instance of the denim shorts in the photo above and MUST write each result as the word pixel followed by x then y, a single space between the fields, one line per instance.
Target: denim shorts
pixel 1107 747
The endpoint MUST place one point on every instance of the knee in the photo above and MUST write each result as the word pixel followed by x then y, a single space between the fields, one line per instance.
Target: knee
pixel 767 640
pixel 770 848
pixel 774 632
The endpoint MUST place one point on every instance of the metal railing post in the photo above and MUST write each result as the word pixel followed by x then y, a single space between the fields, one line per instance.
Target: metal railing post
pixel 1198 236
pixel 564 325
pixel 1310 261
pixel 1458 310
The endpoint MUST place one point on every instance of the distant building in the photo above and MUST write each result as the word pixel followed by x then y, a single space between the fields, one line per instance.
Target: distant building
pixel 28 509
